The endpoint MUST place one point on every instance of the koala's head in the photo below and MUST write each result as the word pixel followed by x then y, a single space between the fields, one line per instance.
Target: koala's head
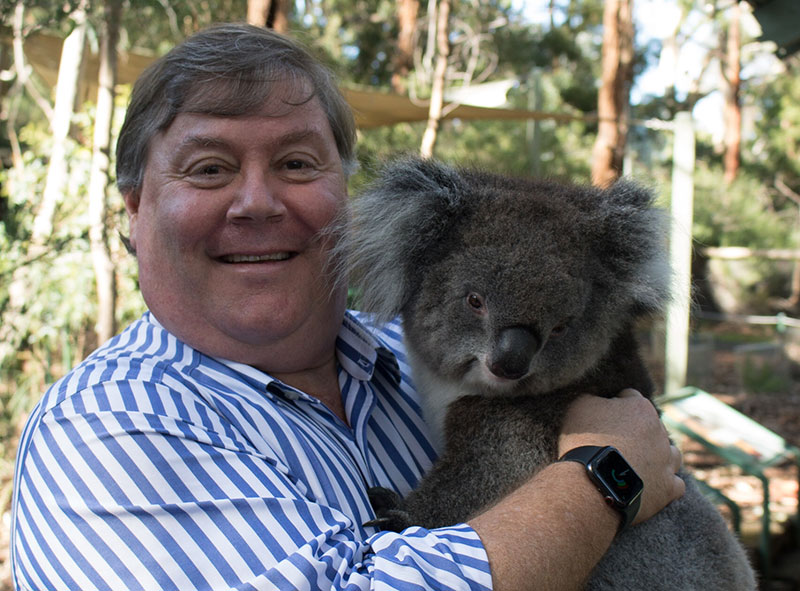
pixel 505 283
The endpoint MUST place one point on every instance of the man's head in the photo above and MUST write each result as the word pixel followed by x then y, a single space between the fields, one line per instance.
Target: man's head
pixel 232 167
pixel 227 70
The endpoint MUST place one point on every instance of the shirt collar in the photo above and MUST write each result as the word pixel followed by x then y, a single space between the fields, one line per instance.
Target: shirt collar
pixel 358 352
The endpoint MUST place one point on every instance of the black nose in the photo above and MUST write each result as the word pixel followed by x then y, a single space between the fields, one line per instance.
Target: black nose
pixel 513 352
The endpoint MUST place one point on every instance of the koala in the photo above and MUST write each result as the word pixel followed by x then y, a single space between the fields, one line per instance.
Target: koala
pixel 516 295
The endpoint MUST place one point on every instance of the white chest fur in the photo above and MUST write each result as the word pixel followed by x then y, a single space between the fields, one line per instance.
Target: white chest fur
pixel 435 394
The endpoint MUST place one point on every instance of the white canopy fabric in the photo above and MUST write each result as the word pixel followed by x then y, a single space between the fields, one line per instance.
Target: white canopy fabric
pixel 372 108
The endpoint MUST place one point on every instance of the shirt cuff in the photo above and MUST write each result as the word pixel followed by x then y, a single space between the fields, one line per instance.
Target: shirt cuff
pixel 450 558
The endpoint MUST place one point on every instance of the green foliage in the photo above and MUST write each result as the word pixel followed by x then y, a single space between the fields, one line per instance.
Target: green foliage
pixel 377 145
pixel 55 325
pixel 741 214
pixel 154 26
pixel 776 144
pixel 501 146
pixel 361 43
pixel 45 13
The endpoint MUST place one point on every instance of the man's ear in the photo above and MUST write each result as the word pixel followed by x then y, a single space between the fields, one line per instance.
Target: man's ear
pixel 132 207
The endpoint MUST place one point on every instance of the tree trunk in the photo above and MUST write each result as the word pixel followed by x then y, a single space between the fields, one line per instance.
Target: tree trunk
pixel 403 61
pixel 614 93
pixel 439 73
pixel 66 92
pixel 733 108
pixel 105 276
pixel 273 14
pixel 258 12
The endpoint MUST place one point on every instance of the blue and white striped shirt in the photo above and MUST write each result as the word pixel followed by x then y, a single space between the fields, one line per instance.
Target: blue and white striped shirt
pixel 153 466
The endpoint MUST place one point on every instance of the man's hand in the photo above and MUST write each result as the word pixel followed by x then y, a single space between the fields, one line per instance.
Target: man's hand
pixel 630 423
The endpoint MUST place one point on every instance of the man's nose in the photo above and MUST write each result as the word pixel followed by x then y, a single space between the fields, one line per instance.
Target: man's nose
pixel 258 197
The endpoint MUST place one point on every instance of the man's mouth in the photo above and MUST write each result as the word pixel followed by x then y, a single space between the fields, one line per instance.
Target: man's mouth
pixel 256 258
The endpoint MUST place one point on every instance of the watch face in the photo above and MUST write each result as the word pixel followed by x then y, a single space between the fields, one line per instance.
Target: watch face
pixel 619 478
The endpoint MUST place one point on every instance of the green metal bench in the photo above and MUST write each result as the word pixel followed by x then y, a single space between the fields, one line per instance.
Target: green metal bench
pixel 737 439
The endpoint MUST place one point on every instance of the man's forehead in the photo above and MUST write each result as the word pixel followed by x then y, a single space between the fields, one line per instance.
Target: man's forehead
pixel 296 124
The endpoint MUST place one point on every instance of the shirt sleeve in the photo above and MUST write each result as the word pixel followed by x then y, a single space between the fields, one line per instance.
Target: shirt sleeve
pixel 132 499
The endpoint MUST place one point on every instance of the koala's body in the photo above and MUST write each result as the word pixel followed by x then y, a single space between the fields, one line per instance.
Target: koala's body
pixel 516 295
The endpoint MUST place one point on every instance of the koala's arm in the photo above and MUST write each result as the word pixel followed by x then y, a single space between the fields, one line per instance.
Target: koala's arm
pixel 551 531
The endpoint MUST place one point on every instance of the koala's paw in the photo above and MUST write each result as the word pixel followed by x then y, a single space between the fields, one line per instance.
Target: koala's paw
pixel 389 513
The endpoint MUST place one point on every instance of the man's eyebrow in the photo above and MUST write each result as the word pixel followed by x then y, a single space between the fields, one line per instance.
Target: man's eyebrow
pixel 201 141
pixel 209 141
pixel 191 143
pixel 299 136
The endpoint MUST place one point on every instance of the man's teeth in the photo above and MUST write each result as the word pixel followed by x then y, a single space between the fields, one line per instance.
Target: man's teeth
pixel 251 258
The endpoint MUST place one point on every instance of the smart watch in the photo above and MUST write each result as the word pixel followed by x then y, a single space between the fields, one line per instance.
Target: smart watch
pixel 619 484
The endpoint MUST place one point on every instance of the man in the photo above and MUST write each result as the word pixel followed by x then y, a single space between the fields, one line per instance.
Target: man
pixel 226 440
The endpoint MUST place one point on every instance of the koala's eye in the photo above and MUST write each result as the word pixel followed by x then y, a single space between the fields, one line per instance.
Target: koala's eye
pixel 559 329
pixel 475 302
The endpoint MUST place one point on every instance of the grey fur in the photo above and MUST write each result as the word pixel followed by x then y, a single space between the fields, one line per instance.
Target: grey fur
pixel 560 273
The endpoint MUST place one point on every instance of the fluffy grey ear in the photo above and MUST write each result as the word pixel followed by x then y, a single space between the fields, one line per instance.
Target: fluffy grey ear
pixel 634 244
pixel 392 224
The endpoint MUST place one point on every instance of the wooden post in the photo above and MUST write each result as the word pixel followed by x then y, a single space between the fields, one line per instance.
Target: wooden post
pixel 680 253
pixel 533 132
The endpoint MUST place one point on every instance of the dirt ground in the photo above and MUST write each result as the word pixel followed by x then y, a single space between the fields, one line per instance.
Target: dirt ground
pixel 773 402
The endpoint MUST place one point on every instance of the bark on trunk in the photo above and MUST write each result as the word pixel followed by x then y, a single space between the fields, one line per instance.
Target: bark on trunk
pixel 273 14
pixel 733 108
pixel 613 96
pixel 403 62
pixel 105 274
pixel 439 73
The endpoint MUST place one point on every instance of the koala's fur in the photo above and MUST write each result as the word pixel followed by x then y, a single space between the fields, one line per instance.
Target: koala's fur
pixel 558 275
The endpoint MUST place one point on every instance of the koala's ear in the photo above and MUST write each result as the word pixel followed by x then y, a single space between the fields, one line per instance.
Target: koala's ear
pixel 392 225
pixel 634 245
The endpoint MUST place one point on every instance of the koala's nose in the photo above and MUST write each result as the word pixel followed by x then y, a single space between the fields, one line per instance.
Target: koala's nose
pixel 512 354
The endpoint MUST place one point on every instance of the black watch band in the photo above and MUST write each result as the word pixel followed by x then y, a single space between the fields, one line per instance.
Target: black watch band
pixel 619 484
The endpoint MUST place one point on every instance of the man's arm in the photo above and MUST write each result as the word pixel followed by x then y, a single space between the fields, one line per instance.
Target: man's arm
pixel 113 497
pixel 552 531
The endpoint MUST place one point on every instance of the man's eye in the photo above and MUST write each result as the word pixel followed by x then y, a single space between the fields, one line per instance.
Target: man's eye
pixel 210 170
pixel 205 170
pixel 300 170
pixel 209 175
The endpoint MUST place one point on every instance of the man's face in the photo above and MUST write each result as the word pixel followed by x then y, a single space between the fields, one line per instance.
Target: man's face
pixel 226 225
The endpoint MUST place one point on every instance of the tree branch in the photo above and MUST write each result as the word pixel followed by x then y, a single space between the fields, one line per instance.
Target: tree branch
pixel 23 70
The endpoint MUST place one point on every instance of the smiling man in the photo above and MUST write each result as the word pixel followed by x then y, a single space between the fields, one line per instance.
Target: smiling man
pixel 232 208
pixel 227 439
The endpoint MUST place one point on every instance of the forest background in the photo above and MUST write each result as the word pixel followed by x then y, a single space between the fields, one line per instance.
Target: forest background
pixel 613 87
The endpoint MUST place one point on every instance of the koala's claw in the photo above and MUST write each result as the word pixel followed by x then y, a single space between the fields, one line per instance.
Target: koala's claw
pixel 393 520
pixel 389 515
pixel 379 522
pixel 384 499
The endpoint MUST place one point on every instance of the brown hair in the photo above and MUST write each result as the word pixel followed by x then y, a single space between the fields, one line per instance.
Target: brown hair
pixel 226 70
